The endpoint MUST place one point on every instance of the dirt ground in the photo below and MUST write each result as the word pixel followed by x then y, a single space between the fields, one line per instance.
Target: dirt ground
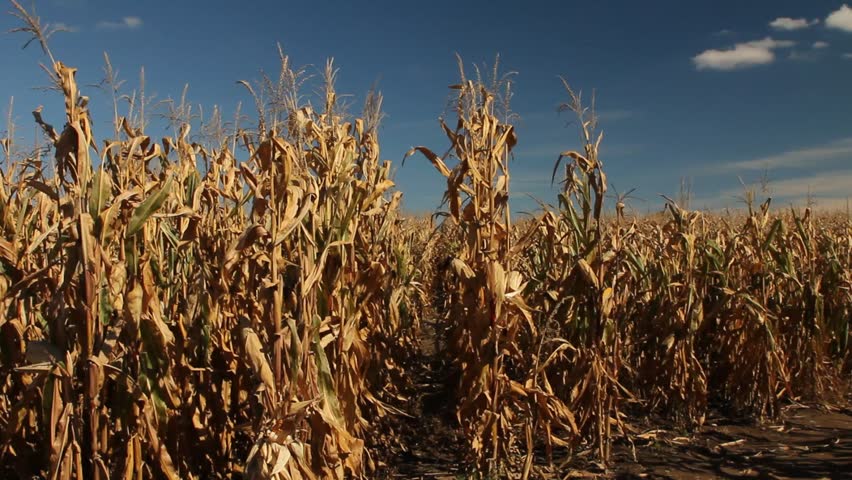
pixel 807 442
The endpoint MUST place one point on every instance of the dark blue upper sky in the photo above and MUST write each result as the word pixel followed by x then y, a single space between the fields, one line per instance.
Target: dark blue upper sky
pixel 711 90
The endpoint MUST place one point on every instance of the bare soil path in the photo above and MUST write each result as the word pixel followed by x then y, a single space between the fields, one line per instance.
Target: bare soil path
pixel 807 442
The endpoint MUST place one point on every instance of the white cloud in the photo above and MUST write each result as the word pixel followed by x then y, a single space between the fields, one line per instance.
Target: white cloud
pixel 603 116
pixel 809 55
pixel 742 55
pixel 840 19
pixel 847 56
pixel 806 56
pixel 739 57
pixel 613 115
pixel 821 203
pixel 787 23
pixel 828 190
pixel 799 158
pixel 125 23
pixel 733 199
pixel 548 152
pixel 770 43
pixel 64 27
pixel 834 183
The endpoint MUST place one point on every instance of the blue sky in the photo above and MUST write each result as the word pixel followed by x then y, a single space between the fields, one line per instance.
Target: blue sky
pixel 710 90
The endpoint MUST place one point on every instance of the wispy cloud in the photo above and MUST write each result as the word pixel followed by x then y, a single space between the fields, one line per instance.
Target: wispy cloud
pixel 548 151
pixel 64 27
pixel 125 23
pixel 531 180
pixel 827 191
pixel 415 124
pixel 804 56
pixel 741 55
pixel 789 24
pixel 821 202
pixel 826 184
pixel 847 56
pixel 799 158
pixel 614 115
pixel 770 43
pixel 840 19
pixel 604 116
pixel 68 3
pixel 812 55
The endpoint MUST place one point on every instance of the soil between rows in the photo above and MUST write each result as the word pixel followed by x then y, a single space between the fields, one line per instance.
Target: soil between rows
pixel 806 442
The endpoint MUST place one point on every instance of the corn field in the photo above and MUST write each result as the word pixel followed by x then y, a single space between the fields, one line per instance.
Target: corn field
pixel 248 307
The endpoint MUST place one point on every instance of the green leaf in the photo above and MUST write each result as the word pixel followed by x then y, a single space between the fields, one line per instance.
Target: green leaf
pixel 150 206
pixel 192 181
pixel 800 227
pixel 325 380
pixel 47 400
pixel 100 192
pixel 295 349
pixel 773 232
pixel 104 304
